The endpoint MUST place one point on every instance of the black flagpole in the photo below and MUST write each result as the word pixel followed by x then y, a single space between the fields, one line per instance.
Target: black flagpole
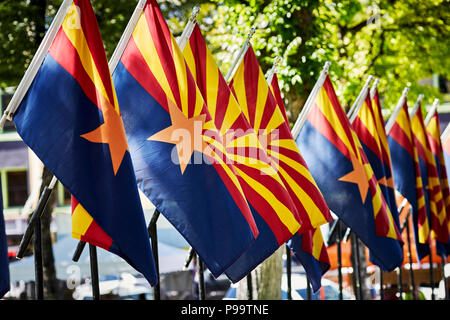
pixel 94 272
pixel 339 257
pixel 154 241
pixel 38 264
pixel 443 257
pixel 201 279
pixel 288 272
pixel 308 289
pixel 432 275
pixel 249 286
pixel 381 285
pixel 411 271
pixel 78 251
pixel 358 267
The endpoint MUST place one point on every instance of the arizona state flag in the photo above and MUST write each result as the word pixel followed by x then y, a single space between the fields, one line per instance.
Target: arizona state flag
pixel 430 179
pixel 71 119
pixel 407 177
pixel 387 182
pixel 366 129
pixel 434 139
pixel 342 172
pixel 271 205
pixel 309 248
pixel 178 153
pixel 4 262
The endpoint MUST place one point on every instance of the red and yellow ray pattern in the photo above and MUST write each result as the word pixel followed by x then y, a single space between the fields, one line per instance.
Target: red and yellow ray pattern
pixel 262 186
pixel 260 108
pixel 439 227
pixel 402 133
pixel 171 83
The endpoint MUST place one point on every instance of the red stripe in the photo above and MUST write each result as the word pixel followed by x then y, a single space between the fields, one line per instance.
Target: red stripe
pixel 343 119
pixel 278 98
pixel 94 40
pixel 251 77
pixel 366 137
pixel 161 37
pixel 136 65
pixel 96 236
pixel 401 138
pixel 66 55
pixel 321 123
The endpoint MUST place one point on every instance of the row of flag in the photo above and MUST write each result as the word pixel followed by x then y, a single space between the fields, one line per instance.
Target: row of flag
pixel 217 158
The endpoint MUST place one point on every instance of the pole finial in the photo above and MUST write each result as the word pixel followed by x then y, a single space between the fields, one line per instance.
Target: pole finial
pixel 326 66
pixel 251 33
pixel 195 12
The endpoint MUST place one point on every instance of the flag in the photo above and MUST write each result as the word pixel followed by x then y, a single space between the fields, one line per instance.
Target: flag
pixel 434 139
pixel 178 153
pixel 342 172
pixel 271 205
pixel 71 119
pixel 430 178
pixel 387 183
pixel 309 248
pixel 4 261
pixel 366 129
pixel 407 176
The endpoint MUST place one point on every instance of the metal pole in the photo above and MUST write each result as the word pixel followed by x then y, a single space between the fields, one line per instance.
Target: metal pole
pixel 339 257
pixel 94 272
pixel 308 289
pixel 431 112
pixel 240 55
pixel 416 106
pixel 445 278
pixel 187 31
pixel 354 110
pixel 37 214
pixel 381 285
pixel 432 276
pixel 78 251
pixel 249 286
pixel 273 70
pixel 358 268
pixel 411 271
pixel 38 264
pixel 288 272
pixel 154 241
pixel 374 88
pixel 396 111
pixel 400 273
pixel 201 279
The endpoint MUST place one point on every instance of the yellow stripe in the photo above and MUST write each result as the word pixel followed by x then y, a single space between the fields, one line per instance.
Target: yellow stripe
pixel 402 121
pixel 81 220
pixel 78 40
pixel 324 104
pixel 285 215
pixel 181 70
pixel 369 122
pixel 317 243
pixel 240 90
pixel 315 215
pixel 143 40
pixel 233 111
pixel 212 80
pixel 261 99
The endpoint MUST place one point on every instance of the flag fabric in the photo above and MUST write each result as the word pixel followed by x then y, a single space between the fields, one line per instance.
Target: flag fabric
pixel 430 179
pixel 309 248
pixel 387 183
pixel 70 118
pixel 271 205
pixel 178 153
pixel 367 131
pixel 340 167
pixel 434 139
pixel 408 176
pixel 4 261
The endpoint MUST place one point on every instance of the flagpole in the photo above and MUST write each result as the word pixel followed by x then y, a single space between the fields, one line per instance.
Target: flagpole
pixel 152 231
pixel 431 112
pixel 120 48
pixel 445 133
pixel 187 31
pixel 94 272
pixel 273 70
pixel 301 119
pixel 240 55
pixel 416 106
pixel 374 88
pixel 38 263
pixel 354 110
pixel 398 107
pixel 411 272
pixel 78 251
pixel 36 63
pixel 288 272
pixel 201 279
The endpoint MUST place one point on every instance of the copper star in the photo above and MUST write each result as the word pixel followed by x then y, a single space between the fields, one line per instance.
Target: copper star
pixel 357 176
pixel 185 133
pixel 112 133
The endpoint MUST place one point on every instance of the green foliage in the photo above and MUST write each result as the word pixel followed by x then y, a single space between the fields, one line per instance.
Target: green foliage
pixel 402 42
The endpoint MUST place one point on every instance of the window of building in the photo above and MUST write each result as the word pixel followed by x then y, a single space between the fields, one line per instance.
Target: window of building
pixel 14 188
